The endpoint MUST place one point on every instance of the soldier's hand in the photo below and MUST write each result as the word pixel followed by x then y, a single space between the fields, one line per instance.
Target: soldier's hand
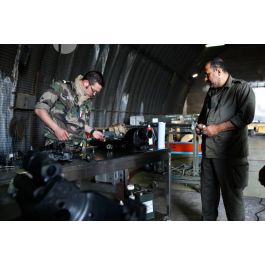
pixel 98 135
pixel 61 134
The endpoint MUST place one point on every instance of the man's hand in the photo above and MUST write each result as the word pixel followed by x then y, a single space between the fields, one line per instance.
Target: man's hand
pixel 211 130
pixel 199 128
pixel 61 134
pixel 98 135
pixel 95 134
pixel 214 129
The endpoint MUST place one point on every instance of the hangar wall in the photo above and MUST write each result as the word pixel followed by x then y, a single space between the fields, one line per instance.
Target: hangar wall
pixel 140 79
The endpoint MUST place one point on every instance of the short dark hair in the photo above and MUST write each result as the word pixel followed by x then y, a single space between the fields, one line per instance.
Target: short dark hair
pixel 217 63
pixel 94 77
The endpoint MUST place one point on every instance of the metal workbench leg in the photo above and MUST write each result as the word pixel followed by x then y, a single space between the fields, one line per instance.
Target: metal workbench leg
pixel 169 188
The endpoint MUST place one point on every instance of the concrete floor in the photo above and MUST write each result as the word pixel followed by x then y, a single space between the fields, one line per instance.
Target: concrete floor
pixel 186 206
pixel 256 162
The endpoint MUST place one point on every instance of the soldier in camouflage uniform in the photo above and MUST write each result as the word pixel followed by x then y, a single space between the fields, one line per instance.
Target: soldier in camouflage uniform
pixel 65 109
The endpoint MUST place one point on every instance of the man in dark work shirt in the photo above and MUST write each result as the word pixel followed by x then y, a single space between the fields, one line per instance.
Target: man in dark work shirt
pixel 228 108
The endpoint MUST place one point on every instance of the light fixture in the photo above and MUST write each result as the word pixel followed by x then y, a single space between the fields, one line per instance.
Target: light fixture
pixel 195 75
pixel 213 45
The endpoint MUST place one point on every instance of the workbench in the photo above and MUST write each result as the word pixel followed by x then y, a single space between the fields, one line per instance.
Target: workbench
pixel 104 162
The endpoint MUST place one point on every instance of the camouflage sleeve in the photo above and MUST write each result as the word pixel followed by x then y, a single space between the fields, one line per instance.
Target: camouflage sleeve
pixel 49 97
pixel 87 111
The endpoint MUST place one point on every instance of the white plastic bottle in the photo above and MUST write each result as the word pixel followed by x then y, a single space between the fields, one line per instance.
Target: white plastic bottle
pixel 150 134
pixel 130 188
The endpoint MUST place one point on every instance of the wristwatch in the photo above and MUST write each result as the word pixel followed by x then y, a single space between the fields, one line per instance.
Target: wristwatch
pixel 92 131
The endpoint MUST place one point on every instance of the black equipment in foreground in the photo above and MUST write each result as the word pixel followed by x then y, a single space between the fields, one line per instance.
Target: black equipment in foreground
pixel 45 195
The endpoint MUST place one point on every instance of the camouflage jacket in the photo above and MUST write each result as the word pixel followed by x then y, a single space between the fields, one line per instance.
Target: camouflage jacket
pixel 62 104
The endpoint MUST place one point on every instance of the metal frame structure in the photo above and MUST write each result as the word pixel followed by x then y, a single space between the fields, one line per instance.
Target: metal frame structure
pixel 106 162
pixel 184 172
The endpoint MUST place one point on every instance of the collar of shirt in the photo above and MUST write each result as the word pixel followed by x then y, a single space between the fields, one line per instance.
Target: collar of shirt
pixel 229 82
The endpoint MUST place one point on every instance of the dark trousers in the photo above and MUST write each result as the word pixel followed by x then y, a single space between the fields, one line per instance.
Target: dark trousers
pixel 231 177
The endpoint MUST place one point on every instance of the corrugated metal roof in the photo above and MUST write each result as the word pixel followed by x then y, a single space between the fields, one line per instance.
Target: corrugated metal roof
pixel 176 57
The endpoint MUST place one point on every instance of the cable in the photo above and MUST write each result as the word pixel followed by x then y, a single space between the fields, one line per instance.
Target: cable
pixel 260 202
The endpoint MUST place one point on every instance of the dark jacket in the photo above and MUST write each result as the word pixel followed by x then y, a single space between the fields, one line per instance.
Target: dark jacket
pixel 234 102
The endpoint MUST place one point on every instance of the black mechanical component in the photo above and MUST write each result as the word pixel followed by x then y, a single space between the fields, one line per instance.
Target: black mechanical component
pixel 58 151
pixel 41 166
pixel 109 144
pixel 135 139
pixel 45 195
pixel 62 156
